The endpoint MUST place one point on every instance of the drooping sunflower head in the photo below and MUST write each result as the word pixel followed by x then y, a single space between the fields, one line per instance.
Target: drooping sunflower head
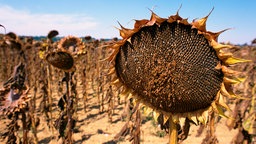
pixel 174 67
pixel 13 41
pixel 52 34
pixel 11 35
pixel 60 59
pixel 64 56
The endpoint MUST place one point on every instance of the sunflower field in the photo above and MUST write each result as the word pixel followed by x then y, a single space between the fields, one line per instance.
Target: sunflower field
pixel 167 80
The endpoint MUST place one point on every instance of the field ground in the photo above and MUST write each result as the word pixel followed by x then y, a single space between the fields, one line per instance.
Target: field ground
pixel 94 128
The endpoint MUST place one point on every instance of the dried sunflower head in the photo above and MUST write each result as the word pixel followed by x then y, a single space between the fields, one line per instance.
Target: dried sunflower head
pixel 88 38
pixel 61 59
pixel 12 40
pixel 72 44
pixel 52 34
pixel 174 67
pixel 11 35
pixel 65 55
pixel 13 100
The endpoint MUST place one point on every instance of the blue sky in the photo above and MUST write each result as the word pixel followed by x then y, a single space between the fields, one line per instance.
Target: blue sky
pixel 99 18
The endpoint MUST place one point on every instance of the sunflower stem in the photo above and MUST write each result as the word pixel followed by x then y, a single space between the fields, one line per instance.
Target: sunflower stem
pixel 24 126
pixel 69 108
pixel 173 132
pixel 49 93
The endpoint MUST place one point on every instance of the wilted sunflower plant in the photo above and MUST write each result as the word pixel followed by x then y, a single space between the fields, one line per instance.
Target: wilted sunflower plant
pixel 14 100
pixel 64 57
pixel 243 113
pixel 46 46
pixel 175 69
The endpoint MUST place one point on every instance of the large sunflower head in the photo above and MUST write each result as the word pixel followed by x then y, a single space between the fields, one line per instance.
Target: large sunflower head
pixel 174 67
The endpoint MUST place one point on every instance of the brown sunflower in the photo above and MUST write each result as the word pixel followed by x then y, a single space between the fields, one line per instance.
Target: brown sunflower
pixel 64 56
pixel 61 59
pixel 13 100
pixel 72 44
pixel 174 68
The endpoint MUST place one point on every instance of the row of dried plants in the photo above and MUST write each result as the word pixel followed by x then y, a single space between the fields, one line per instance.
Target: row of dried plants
pixel 51 72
